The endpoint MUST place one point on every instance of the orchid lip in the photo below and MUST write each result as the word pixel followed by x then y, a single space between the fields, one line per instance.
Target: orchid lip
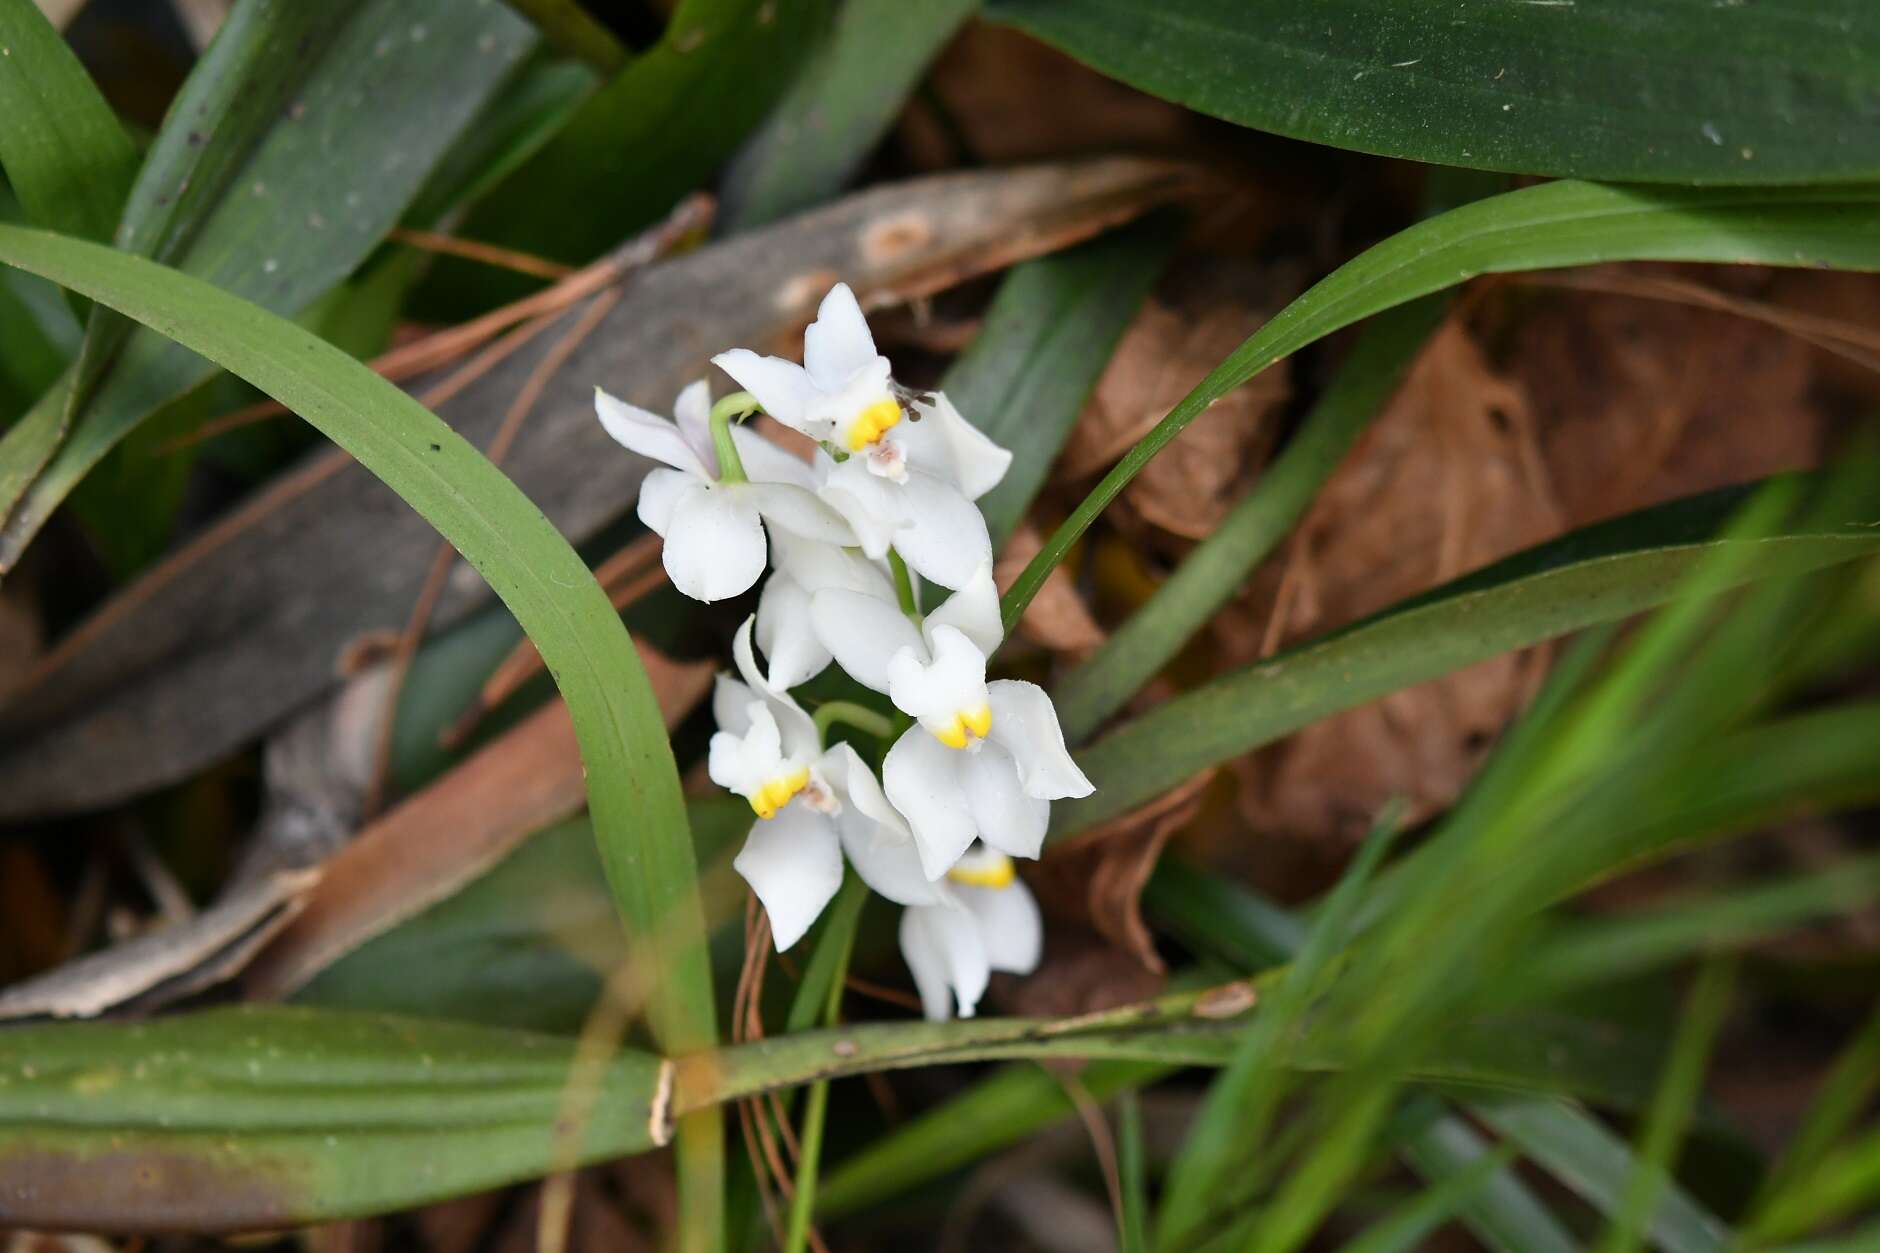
pixel 985 870
pixel 872 423
pixel 777 792
pixel 966 728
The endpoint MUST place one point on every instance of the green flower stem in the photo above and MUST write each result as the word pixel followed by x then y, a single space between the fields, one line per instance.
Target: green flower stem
pixel 904 586
pixel 861 717
pixel 733 408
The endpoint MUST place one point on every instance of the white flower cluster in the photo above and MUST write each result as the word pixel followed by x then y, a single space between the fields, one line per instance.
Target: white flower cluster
pixel 968 785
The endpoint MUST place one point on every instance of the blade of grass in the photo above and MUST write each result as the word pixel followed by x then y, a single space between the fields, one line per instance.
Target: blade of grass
pixel 1405 1230
pixel 633 784
pixel 1503 1214
pixel 1583 1154
pixel 1671 1108
pixel 820 996
pixel 1847 1090
pixel 1552 225
pixel 1134 1170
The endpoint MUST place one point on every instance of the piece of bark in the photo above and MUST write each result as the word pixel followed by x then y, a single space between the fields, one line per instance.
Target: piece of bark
pixel 248 621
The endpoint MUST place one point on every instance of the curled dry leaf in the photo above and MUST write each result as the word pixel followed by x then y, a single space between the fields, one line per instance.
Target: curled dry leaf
pixel 1057 617
pixel 1447 479
pixel 1096 880
pixel 1199 314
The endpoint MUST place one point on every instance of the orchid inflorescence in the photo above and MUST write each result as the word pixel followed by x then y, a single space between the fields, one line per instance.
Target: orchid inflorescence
pixel 972 766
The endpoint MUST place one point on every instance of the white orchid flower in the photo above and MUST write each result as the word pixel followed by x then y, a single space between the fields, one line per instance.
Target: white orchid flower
pixel 842 393
pixel 991 922
pixel 987 758
pixel 813 806
pixel 924 517
pixel 714 529
pixel 803 568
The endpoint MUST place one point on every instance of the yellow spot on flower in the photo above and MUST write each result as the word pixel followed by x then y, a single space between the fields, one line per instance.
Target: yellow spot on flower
pixel 775 794
pixel 994 871
pixel 872 423
pixel 966 727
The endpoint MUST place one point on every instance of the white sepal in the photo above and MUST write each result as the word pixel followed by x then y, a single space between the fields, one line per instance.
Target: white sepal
pixel 1025 724
pixel 794 864
pixel 944 952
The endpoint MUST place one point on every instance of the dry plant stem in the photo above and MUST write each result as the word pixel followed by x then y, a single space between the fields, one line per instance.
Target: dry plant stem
pixel 606 1025
pixel 434 579
pixel 488 254
pixel 1102 1143
pixel 693 214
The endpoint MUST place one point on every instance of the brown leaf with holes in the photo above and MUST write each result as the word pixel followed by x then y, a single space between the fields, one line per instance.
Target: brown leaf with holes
pixel 1446 480
pixel 1199 314
pixel 1057 617
pixel 1095 881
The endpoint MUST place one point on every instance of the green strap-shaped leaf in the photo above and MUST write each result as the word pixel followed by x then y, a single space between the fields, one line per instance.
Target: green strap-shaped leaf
pixel 67 158
pixel 845 95
pixel 1675 91
pixel 633 784
pixel 1557 224
pixel 1598 574
pixel 243 1119
pixel 295 144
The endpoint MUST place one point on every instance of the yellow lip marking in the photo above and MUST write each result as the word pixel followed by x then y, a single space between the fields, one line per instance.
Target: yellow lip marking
pixel 966 727
pixel 872 423
pixel 775 794
pixel 992 874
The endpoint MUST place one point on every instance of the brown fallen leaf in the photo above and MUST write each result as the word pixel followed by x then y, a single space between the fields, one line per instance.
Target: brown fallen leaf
pixel 1200 313
pixel 1096 880
pixel 1445 481
pixel 1057 617
pixel 433 843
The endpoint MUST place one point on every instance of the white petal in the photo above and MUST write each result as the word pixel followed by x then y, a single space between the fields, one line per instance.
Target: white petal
pixel 875 508
pixel 1008 820
pixel 920 778
pixel 743 763
pixel 944 537
pixel 1025 723
pixel 714 543
pixel 856 786
pixel 785 634
pixel 794 863
pixel 765 462
pixel 691 413
pixel 945 443
pixel 837 344
pixel 801 742
pixel 890 867
pixel 660 491
pixel 1010 926
pixel 941 690
pixel 943 951
pixel 782 387
pixel 973 611
pixel 731 703
pixel 863 632
pixel 795 509
pixel 648 434
pixel 818 566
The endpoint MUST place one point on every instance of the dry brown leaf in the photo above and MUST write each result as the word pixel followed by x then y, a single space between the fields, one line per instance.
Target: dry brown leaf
pixel 1082 973
pixel 1096 880
pixel 1445 481
pixel 1057 617
pixel 1199 314
pixel 1639 401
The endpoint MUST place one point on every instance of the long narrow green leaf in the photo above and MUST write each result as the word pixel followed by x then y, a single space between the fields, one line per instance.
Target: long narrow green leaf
pixel 1670 1113
pixel 1503 1214
pixel 253 1118
pixel 1645 90
pixel 1416 1219
pixel 295 144
pixel 64 153
pixel 1209 576
pixel 1556 224
pixel 1584 1155
pixel 845 96
pixel 633 784
pixel 1598 574
pixel 1846 1092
